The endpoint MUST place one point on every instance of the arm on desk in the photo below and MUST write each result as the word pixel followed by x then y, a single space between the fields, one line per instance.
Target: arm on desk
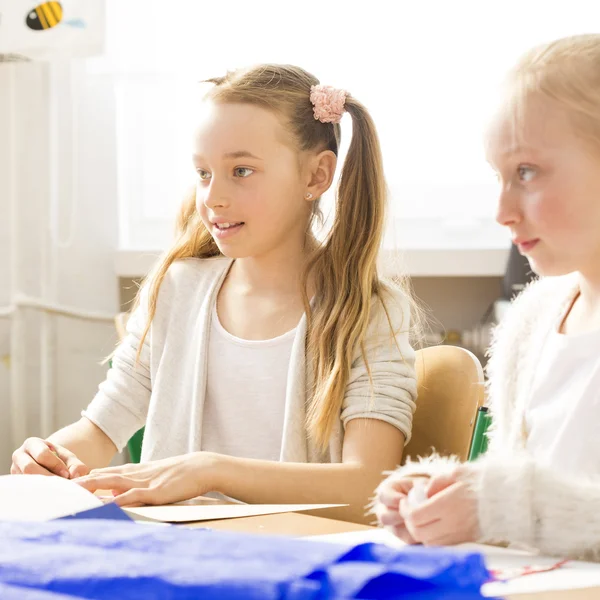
pixel 521 501
pixel 370 448
pixel 70 452
pixel 87 441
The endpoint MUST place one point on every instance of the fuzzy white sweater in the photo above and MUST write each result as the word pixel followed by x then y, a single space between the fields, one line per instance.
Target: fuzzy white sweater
pixel 521 501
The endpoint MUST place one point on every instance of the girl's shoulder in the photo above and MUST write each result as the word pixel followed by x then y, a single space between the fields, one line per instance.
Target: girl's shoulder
pixel 193 274
pixel 531 314
pixel 391 307
pixel 199 266
pixel 544 297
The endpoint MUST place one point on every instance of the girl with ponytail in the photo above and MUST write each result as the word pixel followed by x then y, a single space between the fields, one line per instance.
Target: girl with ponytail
pixel 267 364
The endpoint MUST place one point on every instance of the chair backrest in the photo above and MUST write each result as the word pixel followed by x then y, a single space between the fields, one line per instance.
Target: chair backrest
pixel 450 390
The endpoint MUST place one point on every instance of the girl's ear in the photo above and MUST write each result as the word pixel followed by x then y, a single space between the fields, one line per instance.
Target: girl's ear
pixel 321 171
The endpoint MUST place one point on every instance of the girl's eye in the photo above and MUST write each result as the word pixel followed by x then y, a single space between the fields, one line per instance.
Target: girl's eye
pixel 204 175
pixel 243 172
pixel 526 173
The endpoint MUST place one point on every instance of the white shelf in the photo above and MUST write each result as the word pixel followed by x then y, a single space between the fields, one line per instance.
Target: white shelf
pixel 415 262
pixel 445 262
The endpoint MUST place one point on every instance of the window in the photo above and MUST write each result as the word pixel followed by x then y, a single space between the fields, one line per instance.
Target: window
pixel 427 71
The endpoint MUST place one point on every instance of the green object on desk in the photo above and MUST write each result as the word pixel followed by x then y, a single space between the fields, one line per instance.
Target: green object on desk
pixel 134 445
pixel 479 443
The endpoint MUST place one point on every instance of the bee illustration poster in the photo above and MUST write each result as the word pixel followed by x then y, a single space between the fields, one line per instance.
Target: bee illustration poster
pixel 46 30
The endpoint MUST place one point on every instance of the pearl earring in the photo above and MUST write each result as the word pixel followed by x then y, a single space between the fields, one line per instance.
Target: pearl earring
pixel 308 196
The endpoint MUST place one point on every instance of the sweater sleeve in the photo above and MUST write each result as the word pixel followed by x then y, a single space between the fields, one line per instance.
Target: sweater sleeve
pixel 384 387
pixel 521 501
pixel 120 407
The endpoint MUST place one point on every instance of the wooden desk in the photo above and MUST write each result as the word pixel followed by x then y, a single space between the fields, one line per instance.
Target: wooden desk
pixel 583 594
pixel 294 524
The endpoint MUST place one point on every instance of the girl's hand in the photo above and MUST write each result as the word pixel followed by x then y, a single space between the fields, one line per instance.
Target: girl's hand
pixel 388 497
pixel 448 517
pixel 40 457
pixel 157 482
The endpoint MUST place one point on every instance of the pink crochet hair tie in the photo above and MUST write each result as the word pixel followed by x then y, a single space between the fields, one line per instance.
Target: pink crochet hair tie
pixel 328 103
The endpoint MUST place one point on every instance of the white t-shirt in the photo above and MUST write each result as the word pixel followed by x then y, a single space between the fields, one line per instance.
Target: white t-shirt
pixel 245 395
pixel 563 416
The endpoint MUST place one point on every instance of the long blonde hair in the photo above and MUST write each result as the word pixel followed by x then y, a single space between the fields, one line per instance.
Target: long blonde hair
pixel 567 72
pixel 344 266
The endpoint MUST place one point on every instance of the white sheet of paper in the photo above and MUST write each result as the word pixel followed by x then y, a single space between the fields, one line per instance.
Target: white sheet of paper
pixel 573 575
pixel 186 514
pixel 376 536
pixel 41 498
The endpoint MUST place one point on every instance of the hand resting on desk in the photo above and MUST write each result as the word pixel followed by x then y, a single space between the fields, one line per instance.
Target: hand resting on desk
pixel 41 457
pixel 158 482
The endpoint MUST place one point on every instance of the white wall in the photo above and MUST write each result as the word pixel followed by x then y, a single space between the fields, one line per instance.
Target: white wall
pixel 457 303
pixel 84 277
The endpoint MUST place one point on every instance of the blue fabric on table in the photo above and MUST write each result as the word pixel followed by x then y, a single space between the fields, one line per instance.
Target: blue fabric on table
pixel 110 511
pixel 102 559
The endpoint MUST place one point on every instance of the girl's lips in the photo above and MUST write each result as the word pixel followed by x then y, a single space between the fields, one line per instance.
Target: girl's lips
pixel 228 232
pixel 526 245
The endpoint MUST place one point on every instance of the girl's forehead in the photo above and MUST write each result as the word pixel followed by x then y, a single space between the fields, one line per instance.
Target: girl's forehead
pixel 532 125
pixel 243 117
pixel 221 126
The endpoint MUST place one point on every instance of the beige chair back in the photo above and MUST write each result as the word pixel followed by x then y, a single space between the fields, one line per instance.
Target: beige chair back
pixel 450 390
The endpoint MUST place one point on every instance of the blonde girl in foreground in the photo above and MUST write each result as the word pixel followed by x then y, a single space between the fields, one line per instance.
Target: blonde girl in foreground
pixel 539 483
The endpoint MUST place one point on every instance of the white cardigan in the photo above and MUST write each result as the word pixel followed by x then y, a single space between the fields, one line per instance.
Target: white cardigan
pixel 166 390
pixel 519 500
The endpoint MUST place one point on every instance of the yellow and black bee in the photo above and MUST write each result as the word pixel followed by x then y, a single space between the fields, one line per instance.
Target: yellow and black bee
pixel 44 16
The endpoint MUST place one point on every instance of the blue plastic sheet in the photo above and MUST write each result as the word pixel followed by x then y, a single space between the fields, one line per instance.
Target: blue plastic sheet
pixel 110 511
pixel 102 559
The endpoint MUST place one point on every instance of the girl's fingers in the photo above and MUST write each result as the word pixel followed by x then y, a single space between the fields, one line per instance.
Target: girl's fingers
pixel 390 518
pixel 390 498
pixel 130 499
pixel 75 467
pixel 385 513
pixel 26 465
pixel 440 483
pixel 118 483
pixel 430 534
pixel 120 470
pixel 402 533
pixel 136 497
pixel 44 456
pixel 442 504
pixel 395 485
pixel 405 509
